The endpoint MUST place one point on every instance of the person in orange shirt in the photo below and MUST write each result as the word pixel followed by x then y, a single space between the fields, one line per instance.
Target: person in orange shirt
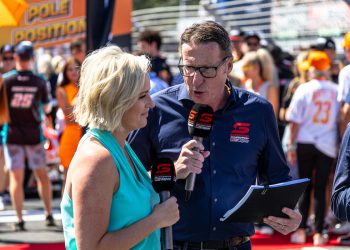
pixel 65 93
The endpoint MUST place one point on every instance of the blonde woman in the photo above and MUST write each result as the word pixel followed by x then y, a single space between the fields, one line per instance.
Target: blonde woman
pixel 109 201
pixel 257 67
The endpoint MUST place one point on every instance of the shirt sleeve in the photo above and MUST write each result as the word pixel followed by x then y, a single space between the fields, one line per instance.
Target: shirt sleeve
pixel 295 112
pixel 273 167
pixel 344 83
pixel 341 185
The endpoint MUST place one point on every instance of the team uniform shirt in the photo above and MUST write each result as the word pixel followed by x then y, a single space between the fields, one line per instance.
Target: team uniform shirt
pixel 344 83
pixel 26 93
pixel 315 109
pixel 243 139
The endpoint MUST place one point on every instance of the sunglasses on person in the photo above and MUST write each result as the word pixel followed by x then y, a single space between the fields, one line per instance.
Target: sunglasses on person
pixel 206 71
pixel 8 58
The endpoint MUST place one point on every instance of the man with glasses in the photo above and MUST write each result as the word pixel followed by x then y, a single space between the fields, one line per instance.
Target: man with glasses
pixel 224 177
pixel 7 58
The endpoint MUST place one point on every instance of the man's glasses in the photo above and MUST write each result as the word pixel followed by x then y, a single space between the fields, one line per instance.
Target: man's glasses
pixel 7 58
pixel 207 72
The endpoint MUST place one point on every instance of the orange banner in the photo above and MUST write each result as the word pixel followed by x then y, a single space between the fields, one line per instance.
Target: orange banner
pixel 48 23
pixel 122 18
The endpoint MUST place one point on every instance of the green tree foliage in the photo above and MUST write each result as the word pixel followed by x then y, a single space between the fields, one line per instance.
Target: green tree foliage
pixel 144 4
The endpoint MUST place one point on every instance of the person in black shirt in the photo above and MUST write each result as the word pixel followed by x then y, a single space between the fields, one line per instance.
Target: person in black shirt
pixel 26 93
pixel 149 43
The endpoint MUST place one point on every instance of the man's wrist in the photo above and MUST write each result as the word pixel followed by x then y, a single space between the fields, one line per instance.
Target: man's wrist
pixel 292 147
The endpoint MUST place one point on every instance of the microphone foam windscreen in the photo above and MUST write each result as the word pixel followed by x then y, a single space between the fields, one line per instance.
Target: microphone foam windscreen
pixel 200 120
pixel 163 175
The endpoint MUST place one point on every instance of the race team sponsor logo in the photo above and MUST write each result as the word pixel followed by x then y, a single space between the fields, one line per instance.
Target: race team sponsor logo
pixel 240 132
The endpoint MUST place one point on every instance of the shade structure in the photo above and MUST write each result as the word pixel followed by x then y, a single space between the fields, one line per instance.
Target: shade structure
pixel 11 12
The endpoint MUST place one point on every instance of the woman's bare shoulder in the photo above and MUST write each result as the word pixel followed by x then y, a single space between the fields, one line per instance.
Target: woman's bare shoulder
pixel 93 165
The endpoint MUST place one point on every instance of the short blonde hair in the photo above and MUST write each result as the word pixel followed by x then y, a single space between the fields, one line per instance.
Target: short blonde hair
pixel 110 83
pixel 262 58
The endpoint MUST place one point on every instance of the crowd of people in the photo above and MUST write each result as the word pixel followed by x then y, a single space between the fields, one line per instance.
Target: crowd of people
pixel 36 91
pixel 294 109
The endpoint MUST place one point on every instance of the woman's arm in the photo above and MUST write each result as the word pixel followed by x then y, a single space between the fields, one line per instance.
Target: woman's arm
pixel 273 98
pixel 92 186
pixel 292 144
pixel 62 101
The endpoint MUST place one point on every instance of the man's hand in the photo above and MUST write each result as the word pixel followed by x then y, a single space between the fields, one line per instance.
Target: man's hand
pixel 285 225
pixel 189 160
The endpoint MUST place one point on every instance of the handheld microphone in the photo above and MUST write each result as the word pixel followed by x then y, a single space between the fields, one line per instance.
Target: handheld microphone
pixel 163 180
pixel 200 122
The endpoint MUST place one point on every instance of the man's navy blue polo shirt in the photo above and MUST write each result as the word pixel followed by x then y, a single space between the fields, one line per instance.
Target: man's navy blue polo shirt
pixel 244 138
pixel 341 187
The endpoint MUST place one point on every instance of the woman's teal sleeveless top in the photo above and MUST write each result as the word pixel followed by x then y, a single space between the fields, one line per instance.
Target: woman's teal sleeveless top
pixel 133 201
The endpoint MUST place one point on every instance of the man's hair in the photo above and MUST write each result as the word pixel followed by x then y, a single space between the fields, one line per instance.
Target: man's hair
pixel 150 36
pixel 77 44
pixel 110 83
pixel 263 59
pixel 206 32
pixel 25 50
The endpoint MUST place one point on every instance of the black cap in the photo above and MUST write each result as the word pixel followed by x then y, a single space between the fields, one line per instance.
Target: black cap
pixel 323 43
pixel 7 48
pixel 251 34
pixel 25 50
pixel 200 120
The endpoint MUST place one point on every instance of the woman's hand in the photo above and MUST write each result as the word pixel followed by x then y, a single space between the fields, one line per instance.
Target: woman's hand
pixel 166 213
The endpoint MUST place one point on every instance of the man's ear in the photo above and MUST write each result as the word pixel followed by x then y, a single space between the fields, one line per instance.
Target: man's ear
pixel 229 65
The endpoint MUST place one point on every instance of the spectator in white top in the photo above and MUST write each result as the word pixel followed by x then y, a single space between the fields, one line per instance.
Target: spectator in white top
pixel 313 116
pixel 344 86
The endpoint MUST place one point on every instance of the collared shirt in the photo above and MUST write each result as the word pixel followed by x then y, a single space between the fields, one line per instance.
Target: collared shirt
pixel 315 109
pixel 244 138
pixel 341 187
